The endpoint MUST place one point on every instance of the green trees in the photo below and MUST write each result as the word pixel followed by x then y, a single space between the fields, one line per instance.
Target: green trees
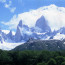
pixel 32 58
pixel 60 59
pixel 43 63
pixel 44 56
pixel 63 63
pixel 5 58
pixel 52 62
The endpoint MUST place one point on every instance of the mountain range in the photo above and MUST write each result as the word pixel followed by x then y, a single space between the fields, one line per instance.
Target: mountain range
pixel 41 31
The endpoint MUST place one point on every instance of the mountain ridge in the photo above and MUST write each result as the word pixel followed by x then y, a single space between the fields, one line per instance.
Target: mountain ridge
pixel 50 45
pixel 41 30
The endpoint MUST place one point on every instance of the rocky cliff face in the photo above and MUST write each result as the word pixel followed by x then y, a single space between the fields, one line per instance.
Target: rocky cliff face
pixel 20 23
pixel 10 35
pixel 43 24
pixel 50 45
pixel 18 35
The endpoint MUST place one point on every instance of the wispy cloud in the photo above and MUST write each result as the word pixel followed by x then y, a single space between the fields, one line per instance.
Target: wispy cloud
pixel 54 15
pixel 13 9
pixel 12 23
pixel 9 5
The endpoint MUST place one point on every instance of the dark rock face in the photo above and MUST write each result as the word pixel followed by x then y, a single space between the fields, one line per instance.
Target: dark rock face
pixel 21 33
pixel 9 35
pixel 32 29
pixel 42 23
pixel 26 27
pixel 20 23
pixel 51 45
pixel 18 36
pixel 26 37
pixel 4 36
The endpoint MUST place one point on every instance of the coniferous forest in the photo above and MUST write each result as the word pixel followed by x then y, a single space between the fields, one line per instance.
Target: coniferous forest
pixel 32 57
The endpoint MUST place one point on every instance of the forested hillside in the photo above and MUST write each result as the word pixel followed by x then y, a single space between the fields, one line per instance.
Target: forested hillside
pixel 32 57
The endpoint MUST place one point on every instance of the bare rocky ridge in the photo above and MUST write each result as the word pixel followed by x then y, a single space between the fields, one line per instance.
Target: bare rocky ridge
pixel 51 45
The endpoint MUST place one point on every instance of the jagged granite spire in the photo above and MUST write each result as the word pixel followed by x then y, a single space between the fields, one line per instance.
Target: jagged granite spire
pixel 43 24
pixel 9 35
pixel 20 23
pixel 18 36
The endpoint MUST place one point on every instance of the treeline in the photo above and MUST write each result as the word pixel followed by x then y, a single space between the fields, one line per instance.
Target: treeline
pixel 32 57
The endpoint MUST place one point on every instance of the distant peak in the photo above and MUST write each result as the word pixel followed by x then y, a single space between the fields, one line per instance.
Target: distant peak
pixel 43 24
pixel 20 23
pixel 10 32
pixel 42 16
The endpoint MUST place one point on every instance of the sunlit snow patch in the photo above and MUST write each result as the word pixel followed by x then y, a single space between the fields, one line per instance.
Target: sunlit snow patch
pixel 7 31
pixel 59 36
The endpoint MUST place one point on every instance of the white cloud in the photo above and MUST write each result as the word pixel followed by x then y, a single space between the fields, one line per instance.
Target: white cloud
pixel 13 22
pixel 9 5
pixel 12 9
pixel 53 14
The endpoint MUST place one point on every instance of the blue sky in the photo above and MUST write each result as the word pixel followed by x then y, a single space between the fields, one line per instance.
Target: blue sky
pixel 9 8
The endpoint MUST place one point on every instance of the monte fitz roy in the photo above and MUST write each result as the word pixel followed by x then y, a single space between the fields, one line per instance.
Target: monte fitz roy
pixel 41 30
